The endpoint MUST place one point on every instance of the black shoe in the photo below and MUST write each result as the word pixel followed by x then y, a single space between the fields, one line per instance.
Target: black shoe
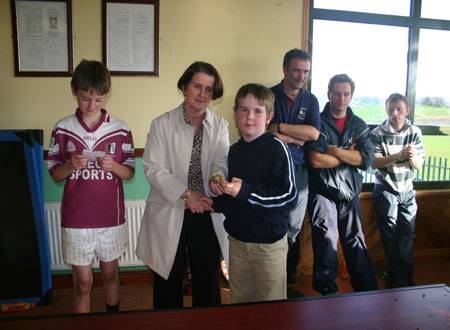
pixel 291 279
pixel 293 292
pixel 393 282
pixel 112 308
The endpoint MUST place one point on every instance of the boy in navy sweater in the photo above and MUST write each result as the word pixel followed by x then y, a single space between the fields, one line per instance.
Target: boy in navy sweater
pixel 256 201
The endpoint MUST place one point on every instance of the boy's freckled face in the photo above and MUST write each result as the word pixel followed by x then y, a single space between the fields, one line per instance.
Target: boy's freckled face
pixel 397 113
pixel 90 103
pixel 251 118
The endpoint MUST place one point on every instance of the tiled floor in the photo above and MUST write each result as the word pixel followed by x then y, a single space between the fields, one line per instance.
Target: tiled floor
pixel 137 293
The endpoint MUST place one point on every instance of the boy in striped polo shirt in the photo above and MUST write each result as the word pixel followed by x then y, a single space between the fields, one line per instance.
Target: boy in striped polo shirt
pixel 398 151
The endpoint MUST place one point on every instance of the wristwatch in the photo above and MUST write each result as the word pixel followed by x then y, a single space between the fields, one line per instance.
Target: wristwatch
pixel 186 196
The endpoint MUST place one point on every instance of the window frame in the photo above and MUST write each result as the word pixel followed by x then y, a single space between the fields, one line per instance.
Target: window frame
pixel 414 23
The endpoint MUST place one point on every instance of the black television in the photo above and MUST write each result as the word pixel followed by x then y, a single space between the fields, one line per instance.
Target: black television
pixel 24 253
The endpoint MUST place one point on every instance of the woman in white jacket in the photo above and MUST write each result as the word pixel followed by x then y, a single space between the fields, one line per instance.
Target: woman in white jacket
pixel 184 148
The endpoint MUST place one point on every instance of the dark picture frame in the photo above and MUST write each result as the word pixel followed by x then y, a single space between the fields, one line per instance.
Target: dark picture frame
pixel 130 31
pixel 42 36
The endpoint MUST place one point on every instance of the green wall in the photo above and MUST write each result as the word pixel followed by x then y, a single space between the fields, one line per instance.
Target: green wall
pixel 137 188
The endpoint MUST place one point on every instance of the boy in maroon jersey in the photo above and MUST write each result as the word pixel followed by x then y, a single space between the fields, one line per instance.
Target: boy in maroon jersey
pixel 93 152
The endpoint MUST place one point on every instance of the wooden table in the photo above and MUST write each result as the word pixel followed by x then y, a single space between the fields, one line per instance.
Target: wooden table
pixel 421 307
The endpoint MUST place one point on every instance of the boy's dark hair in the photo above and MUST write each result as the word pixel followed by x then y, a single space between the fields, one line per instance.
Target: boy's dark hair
pixel 341 78
pixel 263 94
pixel 91 76
pixel 396 97
pixel 295 53
pixel 205 68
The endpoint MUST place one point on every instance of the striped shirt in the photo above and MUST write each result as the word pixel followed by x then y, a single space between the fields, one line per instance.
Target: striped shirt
pixel 398 176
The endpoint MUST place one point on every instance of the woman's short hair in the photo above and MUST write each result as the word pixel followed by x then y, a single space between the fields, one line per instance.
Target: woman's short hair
pixel 205 68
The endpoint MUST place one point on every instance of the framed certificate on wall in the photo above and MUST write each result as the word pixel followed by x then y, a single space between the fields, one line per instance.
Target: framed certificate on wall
pixel 131 37
pixel 42 33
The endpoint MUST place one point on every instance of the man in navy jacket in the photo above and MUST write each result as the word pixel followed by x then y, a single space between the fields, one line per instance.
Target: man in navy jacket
pixel 296 120
pixel 343 146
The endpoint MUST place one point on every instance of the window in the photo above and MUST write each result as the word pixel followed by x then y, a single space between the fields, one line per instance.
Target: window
pixel 389 46
pixel 377 63
pixel 433 70
pixel 438 9
pixel 388 7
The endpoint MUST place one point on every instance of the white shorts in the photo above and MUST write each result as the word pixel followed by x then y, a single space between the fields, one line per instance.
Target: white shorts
pixel 80 244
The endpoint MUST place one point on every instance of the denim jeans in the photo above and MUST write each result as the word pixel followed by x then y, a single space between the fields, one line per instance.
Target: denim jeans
pixel 396 216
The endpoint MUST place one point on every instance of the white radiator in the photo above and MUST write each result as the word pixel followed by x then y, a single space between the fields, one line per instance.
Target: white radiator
pixel 134 209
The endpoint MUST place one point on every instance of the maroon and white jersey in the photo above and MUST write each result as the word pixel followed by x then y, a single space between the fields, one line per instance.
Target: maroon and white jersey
pixel 92 197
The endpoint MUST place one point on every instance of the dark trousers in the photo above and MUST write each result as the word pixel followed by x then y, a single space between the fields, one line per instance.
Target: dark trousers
pixel 199 241
pixel 293 259
pixel 396 216
pixel 328 218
